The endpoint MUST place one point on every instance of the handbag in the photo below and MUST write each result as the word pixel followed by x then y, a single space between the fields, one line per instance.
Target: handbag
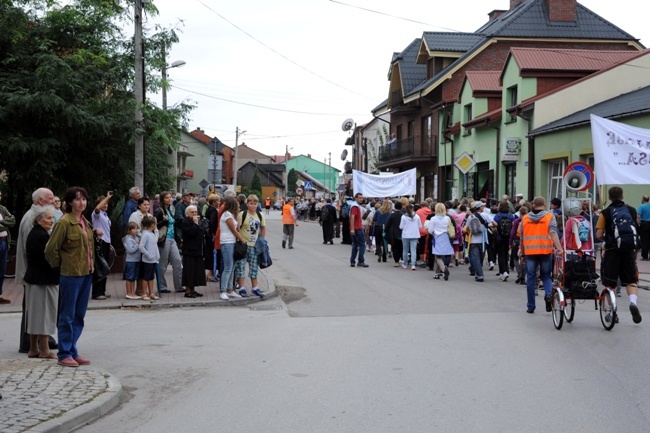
pixel 451 230
pixel 101 265
pixel 241 251
pixel 162 235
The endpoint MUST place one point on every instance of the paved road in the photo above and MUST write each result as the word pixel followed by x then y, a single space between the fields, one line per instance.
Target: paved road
pixel 376 350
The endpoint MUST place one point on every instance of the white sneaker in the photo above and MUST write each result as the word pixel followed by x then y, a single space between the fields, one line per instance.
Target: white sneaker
pixel 223 296
pixel 504 276
pixel 234 294
pixel 412 268
pixel 491 265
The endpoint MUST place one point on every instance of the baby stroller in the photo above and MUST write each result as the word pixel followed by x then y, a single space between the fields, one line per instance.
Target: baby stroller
pixel 575 277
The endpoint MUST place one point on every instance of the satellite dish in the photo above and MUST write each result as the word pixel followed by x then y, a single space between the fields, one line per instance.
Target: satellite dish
pixel 344 154
pixel 347 124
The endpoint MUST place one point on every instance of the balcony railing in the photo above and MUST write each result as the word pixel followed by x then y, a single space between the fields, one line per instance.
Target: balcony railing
pixel 411 147
pixel 187 174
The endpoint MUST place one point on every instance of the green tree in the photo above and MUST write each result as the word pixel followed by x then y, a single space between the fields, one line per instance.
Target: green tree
pixel 292 178
pixel 256 185
pixel 67 104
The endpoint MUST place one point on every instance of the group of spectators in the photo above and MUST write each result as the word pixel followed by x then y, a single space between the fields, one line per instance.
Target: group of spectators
pixel 58 248
pixel 197 236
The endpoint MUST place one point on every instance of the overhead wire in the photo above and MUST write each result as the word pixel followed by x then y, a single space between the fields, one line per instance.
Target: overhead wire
pixel 282 55
pixel 205 95
pixel 392 16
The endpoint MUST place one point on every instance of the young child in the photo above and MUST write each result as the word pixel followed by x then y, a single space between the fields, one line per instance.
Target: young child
pixel 133 254
pixel 150 255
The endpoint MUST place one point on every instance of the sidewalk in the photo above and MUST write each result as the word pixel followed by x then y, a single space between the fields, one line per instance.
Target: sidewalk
pixel 116 289
pixel 41 396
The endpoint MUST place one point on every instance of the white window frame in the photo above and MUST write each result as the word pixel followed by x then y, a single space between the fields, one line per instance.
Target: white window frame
pixel 555 178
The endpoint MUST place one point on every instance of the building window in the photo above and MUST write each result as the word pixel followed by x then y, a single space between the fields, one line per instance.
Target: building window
pixel 511 180
pixel 426 134
pixel 431 69
pixel 511 94
pixel 467 118
pixel 555 178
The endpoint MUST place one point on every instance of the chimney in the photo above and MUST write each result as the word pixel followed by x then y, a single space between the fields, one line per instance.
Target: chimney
pixel 515 3
pixel 495 14
pixel 198 129
pixel 562 10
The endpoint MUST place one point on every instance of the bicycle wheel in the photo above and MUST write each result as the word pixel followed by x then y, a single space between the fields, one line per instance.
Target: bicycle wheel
pixel 557 311
pixel 608 308
pixel 569 309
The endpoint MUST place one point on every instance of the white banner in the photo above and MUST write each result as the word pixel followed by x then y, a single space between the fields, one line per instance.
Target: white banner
pixel 372 185
pixel 621 152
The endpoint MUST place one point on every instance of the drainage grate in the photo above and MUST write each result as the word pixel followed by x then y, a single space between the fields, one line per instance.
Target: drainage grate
pixel 273 307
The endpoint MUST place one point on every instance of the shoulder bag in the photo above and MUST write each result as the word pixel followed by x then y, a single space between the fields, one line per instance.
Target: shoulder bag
pixel 241 250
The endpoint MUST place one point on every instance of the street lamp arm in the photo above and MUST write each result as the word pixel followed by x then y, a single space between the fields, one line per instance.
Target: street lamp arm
pixel 177 64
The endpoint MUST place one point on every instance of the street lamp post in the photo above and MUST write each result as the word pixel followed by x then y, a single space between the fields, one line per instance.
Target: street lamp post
pixel 176 64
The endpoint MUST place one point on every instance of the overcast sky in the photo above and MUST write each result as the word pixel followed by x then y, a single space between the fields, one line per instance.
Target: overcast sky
pixel 289 72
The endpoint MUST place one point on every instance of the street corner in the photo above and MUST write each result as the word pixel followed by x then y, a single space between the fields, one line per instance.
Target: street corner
pixel 42 396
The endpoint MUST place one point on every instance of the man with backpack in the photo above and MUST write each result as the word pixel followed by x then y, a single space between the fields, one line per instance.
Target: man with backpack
pixel 504 220
pixel 477 227
pixel 618 228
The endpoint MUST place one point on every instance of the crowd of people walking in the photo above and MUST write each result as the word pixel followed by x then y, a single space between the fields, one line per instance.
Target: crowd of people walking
pixel 514 236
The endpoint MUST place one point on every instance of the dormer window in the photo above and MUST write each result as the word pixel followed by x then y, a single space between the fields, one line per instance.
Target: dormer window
pixel 467 117
pixel 511 103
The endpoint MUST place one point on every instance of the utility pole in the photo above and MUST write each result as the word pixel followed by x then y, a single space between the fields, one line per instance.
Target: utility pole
pixel 286 177
pixel 138 89
pixel 238 132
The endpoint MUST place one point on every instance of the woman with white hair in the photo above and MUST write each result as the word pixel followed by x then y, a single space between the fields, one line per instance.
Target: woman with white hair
pixel 193 267
pixel 41 286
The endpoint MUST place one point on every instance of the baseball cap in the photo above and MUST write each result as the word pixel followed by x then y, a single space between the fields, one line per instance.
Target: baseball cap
pixel 478 204
pixel 519 195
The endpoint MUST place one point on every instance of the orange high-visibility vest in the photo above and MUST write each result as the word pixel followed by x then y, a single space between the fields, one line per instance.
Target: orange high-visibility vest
pixel 286 214
pixel 536 239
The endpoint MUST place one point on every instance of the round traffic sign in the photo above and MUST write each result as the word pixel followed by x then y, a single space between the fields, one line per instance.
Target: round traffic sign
pixel 299 190
pixel 583 168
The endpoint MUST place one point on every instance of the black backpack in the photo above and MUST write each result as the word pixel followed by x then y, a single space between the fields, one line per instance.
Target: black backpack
pixel 504 226
pixel 245 212
pixel 324 214
pixel 345 211
pixel 625 237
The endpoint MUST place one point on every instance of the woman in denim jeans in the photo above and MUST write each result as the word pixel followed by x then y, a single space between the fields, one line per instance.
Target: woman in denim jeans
pixel 410 225
pixel 71 248
pixel 228 235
